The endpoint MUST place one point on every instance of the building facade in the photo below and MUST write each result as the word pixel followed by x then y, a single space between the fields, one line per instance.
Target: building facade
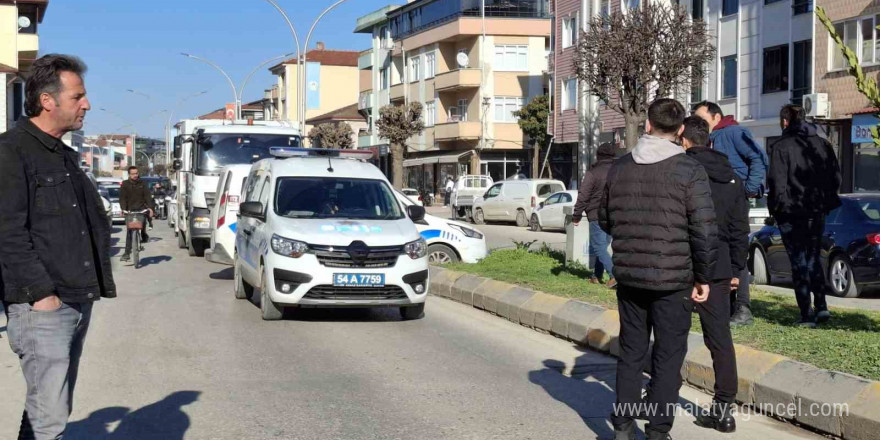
pixel 470 74
pixel 19 44
pixel 347 115
pixel 331 83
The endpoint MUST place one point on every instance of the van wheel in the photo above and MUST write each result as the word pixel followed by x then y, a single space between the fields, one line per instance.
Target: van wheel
pixel 478 217
pixel 195 248
pixel 759 267
pixel 534 224
pixel 413 312
pixel 181 240
pixel 441 254
pixel 521 218
pixel 269 310
pixel 243 290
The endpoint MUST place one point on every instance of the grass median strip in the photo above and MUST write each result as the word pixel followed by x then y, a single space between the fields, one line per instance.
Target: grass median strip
pixel 849 342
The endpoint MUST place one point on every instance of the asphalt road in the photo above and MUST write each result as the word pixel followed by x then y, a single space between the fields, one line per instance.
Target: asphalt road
pixel 176 356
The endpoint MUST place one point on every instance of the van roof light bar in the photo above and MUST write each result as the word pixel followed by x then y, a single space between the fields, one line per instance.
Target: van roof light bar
pixel 285 152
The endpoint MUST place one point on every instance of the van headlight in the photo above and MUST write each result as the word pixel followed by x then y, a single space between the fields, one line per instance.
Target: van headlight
pixel 468 232
pixel 417 249
pixel 288 248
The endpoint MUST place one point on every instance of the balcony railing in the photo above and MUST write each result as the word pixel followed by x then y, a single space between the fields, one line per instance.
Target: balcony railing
pixel 454 130
pixel 438 12
pixel 365 100
pixel 457 79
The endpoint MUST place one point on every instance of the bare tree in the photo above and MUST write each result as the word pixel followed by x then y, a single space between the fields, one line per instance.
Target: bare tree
pixel 332 135
pixel 628 59
pixel 398 124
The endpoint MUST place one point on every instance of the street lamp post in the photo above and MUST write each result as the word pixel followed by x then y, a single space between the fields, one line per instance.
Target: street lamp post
pixel 300 59
pixel 231 84
pixel 304 101
pixel 252 72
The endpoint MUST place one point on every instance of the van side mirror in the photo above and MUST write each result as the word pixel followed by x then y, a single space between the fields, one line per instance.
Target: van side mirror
pixel 415 213
pixel 177 164
pixel 541 205
pixel 178 151
pixel 770 221
pixel 252 209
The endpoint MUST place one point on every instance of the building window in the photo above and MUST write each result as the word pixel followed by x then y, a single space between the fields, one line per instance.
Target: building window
pixel 569 94
pixel 775 69
pixel 512 58
pixel 430 64
pixel 801 6
pixel 569 31
pixel 860 36
pixel 415 66
pixel 728 77
pixel 17 100
pixel 430 114
pixel 729 7
pixel 458 113
pixel 802 66
pixel 697 84
pixel 697 9
pixel 630 4
pixel 385 38
pixel 385 79
pixel 505 106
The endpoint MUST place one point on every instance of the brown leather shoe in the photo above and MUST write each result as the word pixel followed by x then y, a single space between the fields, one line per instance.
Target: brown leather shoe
pixel 594 280
pixel 612 283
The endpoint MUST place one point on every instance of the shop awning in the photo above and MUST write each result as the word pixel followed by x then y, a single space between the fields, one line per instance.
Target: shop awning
pixel 452 157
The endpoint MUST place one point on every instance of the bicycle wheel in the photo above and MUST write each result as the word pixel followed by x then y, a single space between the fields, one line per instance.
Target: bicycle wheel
pixel 136 248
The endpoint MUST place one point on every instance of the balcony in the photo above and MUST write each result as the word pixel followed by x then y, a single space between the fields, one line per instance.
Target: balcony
pixel 365 139
pixel 452 131
pixel 397 92
pixel 457 80
pixel 365 100
pixel 365 59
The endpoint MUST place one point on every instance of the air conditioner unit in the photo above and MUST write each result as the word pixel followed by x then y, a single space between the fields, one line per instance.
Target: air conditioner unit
pixel 816 105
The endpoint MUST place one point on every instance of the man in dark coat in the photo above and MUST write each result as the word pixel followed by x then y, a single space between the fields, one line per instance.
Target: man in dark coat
pixel 750 163
pixel 589 196
pixel 732 218
pixel 134 195
pixel 657 206
pixel 54 243
pixel 804 180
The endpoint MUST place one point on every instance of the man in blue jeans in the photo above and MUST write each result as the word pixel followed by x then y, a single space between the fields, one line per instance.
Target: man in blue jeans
pixel 589 196
pixel 804 179
pixel 54 244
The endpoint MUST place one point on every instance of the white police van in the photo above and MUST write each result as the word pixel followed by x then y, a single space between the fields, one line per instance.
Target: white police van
pixel 321 228
pixel 449 241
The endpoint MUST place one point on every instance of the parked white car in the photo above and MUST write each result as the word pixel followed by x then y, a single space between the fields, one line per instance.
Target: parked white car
pixel 116 209
pixel 549 213
pixel 413 195
pixel 323 228
pixel 449 241
pixel 224 213
pixel 514 200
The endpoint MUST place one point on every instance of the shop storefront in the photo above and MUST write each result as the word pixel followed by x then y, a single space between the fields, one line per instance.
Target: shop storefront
pixel 865 155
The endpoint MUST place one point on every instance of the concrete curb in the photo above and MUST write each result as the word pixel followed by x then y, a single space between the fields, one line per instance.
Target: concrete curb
pixel 840 404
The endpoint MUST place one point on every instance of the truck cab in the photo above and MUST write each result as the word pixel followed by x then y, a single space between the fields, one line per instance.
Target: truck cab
pixel 202 149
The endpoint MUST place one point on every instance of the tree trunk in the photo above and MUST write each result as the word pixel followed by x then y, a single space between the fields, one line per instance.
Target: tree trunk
pixel 397 165
pixel 631 129
pixel 536 160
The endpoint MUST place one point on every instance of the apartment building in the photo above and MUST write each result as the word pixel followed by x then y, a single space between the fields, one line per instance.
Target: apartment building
pixel 19 44
pixel 848 119
pixel 469 73
pixel 331 83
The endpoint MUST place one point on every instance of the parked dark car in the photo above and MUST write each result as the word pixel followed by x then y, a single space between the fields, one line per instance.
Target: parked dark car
pixel 850 247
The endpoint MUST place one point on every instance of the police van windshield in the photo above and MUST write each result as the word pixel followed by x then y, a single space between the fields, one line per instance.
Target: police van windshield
pixel 337 198
pixel 218 150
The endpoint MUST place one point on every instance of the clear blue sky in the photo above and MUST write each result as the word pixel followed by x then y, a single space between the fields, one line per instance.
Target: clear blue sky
pixel 132 44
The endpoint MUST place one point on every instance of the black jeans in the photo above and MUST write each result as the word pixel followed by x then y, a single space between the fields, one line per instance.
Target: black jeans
pixel 715 320
pixel 668 314
pixel 741 295
pixel 802 236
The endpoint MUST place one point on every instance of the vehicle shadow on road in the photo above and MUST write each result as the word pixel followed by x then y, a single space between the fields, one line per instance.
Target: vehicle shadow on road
pixel 163 420
pixel 224 274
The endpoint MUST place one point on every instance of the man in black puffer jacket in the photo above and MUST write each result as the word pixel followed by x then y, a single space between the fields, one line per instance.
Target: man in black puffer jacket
pixel 589 196
pixel 732 218
pixel 658 208
pixel 804 179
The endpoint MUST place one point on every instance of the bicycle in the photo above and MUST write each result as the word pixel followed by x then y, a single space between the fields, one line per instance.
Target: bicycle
pixel 134 224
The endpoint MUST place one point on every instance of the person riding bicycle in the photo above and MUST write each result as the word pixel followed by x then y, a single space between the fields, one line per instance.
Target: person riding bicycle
pixel 134 195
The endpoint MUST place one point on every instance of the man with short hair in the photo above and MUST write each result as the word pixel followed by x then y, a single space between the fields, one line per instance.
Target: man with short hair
pixel 134 195
pixel 749 162
pixel 732 218
pixel 54 243
pixel 657 206
pixel 804 179
pixel 589 196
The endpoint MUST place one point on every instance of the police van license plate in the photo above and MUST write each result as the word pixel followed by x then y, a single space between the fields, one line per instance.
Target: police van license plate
pixel 358 280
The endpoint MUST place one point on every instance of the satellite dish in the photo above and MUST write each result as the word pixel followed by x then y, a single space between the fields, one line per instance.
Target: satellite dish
pixel 462 59
pixel 24 22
